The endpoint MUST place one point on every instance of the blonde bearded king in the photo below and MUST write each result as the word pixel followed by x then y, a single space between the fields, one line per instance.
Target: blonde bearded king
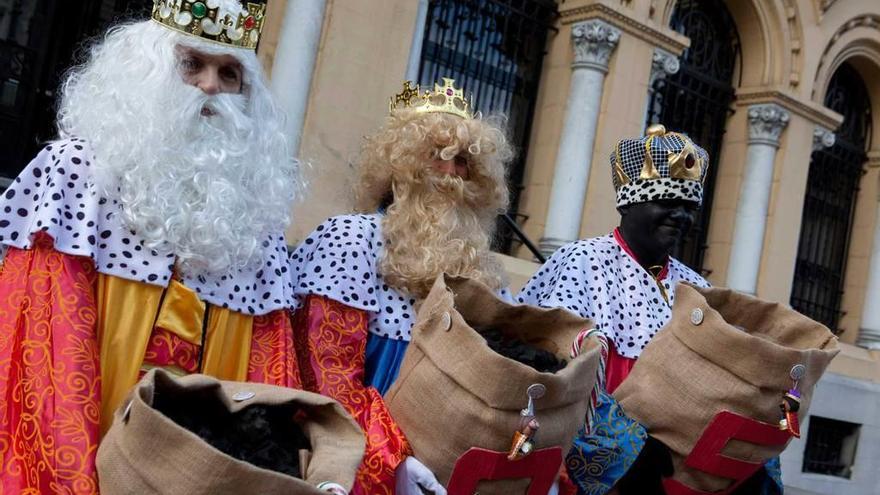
pixel 430 184
pixel 149 234
pixel 436 222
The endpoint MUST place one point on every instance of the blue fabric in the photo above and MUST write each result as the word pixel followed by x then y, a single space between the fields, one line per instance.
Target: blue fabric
pixel 773 483
pixel 383 358
pixel 598 460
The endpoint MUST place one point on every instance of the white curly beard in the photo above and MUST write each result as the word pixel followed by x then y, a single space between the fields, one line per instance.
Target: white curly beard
pixel 208 186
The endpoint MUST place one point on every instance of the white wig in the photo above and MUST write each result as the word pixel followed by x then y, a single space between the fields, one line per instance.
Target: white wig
pixel 208 189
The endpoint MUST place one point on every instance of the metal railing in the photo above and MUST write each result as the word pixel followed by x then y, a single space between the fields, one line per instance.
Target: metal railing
pixel 521 236
pixel 696 100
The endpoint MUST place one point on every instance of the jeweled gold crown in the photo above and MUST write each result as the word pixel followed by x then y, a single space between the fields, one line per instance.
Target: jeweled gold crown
pixel 444 99
pixel 208 20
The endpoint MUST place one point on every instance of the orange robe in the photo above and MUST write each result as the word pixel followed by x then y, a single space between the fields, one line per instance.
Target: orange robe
pixel 73 342
pixel 331 340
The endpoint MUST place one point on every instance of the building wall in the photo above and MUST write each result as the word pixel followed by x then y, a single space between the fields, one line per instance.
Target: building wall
pixel 361 63
pixel 845 399
pixel 789 51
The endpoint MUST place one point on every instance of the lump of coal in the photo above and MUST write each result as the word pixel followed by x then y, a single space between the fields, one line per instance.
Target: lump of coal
pixel 511 348
pixel 265 436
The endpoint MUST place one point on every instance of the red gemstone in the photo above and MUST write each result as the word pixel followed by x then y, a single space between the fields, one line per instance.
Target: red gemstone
pixel 250 23
pixel 449 92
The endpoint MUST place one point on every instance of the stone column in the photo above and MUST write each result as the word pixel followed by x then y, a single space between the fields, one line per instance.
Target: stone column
pixel 766 123
pixel 295 62
pixel 869 333
pixel 593 42
pixel 415 50
pixel 663 64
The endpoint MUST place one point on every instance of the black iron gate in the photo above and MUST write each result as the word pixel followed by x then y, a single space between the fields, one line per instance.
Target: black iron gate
pixel 829 204
pixel 23 52
pixel 494 50
pixel 37 44
pixel 696 100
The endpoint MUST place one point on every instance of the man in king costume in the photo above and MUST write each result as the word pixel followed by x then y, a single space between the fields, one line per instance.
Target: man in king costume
pixel 431 183
pixel 149 234
pixel 625 283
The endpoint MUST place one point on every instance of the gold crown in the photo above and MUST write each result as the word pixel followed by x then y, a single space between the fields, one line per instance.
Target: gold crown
pixel 444 99
pixel 686 164
pixel 207 20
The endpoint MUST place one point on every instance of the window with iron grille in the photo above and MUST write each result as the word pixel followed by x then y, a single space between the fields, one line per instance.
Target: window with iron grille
pixel 38 39
pixel 829 202
pixel 494 50
pixel 696 100
pixel 831 447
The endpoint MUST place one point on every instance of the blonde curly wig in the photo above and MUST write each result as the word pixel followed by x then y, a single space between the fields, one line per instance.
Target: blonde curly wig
pixel 435 223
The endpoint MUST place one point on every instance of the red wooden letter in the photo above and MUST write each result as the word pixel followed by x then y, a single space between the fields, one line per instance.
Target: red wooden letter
pixel 706 455
pixel 541 466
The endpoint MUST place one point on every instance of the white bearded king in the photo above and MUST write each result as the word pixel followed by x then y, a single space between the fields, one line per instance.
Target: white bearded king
pixel 149 234
pixel 207 188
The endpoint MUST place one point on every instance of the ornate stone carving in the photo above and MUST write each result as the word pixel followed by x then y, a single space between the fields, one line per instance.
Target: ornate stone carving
pixel 593 43
pixel 810 110
pixel 571 12
pixel 766 123
pixel 652 9
pixel 871 21
pixel 795 42
pixel 874 162
pixel 822 138
pixel 824 5
pixel 662 64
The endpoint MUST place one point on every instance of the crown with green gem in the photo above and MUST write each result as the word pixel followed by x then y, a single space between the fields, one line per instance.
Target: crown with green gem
pixel 209 20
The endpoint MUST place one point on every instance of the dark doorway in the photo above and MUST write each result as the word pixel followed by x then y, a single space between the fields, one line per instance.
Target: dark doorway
pixel 38 43
pixel 696 100
pixel 829 202
pixel 494 50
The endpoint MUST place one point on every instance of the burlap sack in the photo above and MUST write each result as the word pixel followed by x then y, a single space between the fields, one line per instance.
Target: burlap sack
pixel 722 351
pixel 453 392
pixel 145 452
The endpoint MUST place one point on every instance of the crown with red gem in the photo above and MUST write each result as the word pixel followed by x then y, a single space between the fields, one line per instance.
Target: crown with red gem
pixel 221 21
pixel 444 99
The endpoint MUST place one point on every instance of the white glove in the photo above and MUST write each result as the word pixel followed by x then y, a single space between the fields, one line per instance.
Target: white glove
pixel 412 476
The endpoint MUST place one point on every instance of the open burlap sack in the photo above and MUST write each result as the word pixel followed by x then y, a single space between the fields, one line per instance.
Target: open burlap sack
pixel 722 351
pixel 145 452
pixel 453 392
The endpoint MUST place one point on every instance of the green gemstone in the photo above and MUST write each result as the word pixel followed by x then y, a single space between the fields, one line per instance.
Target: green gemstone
pixel 199 10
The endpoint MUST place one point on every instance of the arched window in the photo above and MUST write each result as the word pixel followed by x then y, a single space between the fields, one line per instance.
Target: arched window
pixel 829 203
pixel 494 50
pixel 696 100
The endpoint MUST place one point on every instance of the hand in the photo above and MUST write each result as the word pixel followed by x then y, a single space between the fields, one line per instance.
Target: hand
pixel 412 476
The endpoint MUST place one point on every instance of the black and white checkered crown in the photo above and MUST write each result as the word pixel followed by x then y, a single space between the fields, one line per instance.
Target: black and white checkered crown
pixel 660 165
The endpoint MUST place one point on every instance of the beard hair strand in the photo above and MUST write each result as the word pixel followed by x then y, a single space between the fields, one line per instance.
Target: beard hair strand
pixel 187 184
pixel 431 228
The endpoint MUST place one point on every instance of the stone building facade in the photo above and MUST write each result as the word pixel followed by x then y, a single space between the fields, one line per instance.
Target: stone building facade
pixel 785 94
